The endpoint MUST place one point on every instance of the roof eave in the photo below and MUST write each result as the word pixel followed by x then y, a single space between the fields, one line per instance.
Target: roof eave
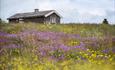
pixel 48 14
pixel 12 18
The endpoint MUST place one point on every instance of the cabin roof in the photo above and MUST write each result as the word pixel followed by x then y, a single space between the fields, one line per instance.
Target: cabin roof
pixel 34 14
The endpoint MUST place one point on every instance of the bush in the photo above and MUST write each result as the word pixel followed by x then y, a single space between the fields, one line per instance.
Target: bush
pixel 105 21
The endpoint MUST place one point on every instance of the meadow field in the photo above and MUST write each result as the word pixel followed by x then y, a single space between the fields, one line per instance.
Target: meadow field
pixel 31 46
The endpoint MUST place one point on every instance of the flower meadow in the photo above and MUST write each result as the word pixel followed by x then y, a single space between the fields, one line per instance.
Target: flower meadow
pixel 31 46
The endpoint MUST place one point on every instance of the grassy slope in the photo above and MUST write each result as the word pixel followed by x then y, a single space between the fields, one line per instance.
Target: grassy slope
pixel 84 30
pixel 81 29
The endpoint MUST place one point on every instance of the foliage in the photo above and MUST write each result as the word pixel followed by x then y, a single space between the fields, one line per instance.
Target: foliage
pixel 105 21
pixel 57 47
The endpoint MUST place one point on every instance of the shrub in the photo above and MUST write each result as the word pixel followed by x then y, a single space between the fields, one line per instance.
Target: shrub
pixel 105 21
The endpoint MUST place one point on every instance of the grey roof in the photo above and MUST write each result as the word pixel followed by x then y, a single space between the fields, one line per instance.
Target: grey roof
pixel 30 14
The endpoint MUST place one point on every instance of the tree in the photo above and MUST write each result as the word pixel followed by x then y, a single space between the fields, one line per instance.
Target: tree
pixel 0 20
pixel 105 21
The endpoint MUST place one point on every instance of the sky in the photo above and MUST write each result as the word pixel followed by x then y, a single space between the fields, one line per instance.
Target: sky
pixel 72 11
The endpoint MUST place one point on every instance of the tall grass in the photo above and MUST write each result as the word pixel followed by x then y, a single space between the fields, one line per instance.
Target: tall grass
pixel 31 46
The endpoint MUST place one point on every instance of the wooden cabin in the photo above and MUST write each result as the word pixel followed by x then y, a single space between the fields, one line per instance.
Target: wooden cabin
pixel 49 16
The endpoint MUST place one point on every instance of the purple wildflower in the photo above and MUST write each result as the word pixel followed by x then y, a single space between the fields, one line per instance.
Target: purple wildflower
pixel 4 40
pixel 113 49
pixel 43 53
pixel 81 46
pixel 64 48
pixel 113 39
pixel 11 35
pixel 3 33
pixel 105 51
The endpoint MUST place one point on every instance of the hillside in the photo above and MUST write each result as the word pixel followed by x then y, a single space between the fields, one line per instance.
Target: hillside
pixel 33 46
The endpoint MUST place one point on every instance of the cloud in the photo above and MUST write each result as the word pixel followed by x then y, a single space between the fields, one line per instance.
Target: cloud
pixel 71 10
pixel 110 14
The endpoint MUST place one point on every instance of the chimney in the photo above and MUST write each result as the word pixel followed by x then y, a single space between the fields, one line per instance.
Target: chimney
pixel 36 10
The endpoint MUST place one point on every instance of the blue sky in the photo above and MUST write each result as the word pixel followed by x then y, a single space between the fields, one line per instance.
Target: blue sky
pixel 71 10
